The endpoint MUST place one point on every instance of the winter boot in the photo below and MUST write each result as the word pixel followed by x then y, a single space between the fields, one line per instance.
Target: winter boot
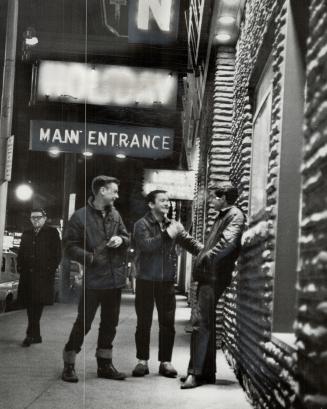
pixel 106 368
pixel 68 373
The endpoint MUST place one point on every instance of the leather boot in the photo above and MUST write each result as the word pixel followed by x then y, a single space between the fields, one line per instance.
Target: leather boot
pixel 107 370
pixel 68 373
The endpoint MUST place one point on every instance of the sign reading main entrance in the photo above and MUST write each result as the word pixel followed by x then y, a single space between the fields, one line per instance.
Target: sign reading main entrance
pixel 102 139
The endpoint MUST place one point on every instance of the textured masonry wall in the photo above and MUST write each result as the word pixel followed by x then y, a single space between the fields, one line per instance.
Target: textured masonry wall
pixel 311 326
pixel 265 370
pixel 215 140
pixel 220 150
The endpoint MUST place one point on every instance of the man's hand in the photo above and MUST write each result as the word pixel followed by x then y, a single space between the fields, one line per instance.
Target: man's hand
pixel 174 229
pixel 114 242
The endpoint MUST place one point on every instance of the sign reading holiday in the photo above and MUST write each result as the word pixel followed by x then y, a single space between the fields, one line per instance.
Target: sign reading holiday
pixel 102 139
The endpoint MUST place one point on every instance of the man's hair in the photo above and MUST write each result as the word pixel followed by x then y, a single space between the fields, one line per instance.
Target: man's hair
pixel 100 181
pixel 151 197
pixel 39 210
pixel 229 190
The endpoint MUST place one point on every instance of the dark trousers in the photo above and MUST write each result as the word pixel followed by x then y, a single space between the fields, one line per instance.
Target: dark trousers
pixel 203 338
pixel 34 312
pixel 109 300
pixel 161 293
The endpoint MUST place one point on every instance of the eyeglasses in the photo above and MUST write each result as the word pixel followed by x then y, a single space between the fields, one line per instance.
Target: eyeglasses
pixel 36 217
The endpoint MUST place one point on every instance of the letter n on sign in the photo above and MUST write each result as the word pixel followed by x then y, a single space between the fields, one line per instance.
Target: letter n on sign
pixel 153 21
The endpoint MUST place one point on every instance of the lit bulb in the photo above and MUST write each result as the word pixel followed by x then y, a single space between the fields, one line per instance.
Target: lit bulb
pixel 24 192
pixel 223 37
pixel 226 19
pixel 31 41
pixel 54 152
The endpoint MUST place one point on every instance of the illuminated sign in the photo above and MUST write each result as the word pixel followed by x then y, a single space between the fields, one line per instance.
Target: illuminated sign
pixel 102 139
pixel 106 85
pixel 153 21
pixel 179 184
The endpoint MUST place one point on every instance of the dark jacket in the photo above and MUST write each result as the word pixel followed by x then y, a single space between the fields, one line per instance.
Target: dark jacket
pixel 155 249
pixel 222 247
pixel 38 258
pixel 84 241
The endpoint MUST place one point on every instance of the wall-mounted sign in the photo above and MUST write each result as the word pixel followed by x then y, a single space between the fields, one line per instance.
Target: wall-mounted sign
pixel 179 184
pixel 102 139
pixel 106 85
pixel 9 158
pixel 153 21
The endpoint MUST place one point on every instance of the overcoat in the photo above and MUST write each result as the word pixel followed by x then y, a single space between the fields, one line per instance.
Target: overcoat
pixel 38 258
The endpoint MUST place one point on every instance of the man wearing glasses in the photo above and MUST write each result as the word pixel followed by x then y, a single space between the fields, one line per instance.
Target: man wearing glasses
pixel 213 270
pixel 38 258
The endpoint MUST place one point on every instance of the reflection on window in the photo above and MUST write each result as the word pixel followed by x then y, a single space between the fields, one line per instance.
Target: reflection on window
pixel 260 142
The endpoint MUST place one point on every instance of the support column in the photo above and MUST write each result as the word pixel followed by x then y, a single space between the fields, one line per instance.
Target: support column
pixel 7 100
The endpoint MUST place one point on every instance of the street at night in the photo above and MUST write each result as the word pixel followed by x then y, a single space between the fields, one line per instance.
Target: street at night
pixel 163 190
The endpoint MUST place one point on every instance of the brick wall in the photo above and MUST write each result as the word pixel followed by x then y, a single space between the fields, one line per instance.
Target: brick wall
pixel 311 326
pixel 264 369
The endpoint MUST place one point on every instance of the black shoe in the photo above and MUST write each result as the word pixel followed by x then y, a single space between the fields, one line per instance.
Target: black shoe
pixel 107 370
pixel 191 382
pixel 140 370
pixel 68 373
pixel 27 342
pixel 36 340
pixel 166 369
pixel 203 378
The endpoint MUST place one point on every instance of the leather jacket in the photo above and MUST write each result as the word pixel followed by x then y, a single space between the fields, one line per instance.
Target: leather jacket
pixel 155 249
pixel 222 246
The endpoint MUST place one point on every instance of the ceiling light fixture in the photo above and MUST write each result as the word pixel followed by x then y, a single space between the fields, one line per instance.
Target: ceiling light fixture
pixel 226 19
pixel 223 37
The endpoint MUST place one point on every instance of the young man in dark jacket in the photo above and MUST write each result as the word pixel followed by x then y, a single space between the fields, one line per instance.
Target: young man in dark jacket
pixel 39 255
pixel 213 270
pixel 97 238
pixel 155 237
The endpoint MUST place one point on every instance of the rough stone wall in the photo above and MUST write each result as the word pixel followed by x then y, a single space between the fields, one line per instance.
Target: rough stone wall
pixel 215 142
pixel 311 326
pixel 199 204
pixel 220 150
pixel 263 368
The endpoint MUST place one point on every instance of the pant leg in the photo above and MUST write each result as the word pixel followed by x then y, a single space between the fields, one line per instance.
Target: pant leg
pixel 166 305
pixel 87 307
pixel 203 338
pixel 201 328
pixel 34 313
pixel 109 317
pixel 144 304
pixel 209 367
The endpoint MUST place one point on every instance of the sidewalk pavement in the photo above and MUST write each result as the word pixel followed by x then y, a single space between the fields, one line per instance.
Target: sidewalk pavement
pixel 30 377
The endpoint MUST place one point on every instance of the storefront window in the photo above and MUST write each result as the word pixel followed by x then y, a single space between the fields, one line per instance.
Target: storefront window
pixel 260 144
